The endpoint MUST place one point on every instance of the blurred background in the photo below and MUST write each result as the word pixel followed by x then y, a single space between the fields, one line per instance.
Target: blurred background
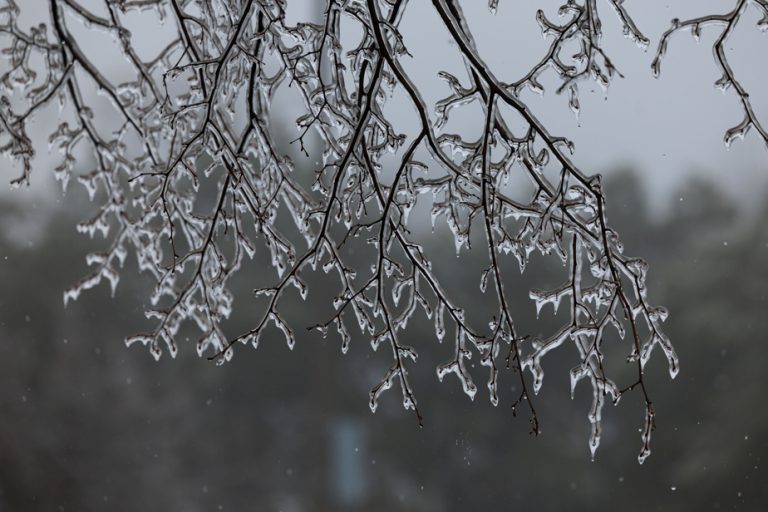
pixel 87 424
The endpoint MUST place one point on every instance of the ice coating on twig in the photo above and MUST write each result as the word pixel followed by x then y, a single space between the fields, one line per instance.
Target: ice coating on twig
pixel 193 184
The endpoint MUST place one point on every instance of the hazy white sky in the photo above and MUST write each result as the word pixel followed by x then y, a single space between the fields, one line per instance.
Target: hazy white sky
pixel 668 128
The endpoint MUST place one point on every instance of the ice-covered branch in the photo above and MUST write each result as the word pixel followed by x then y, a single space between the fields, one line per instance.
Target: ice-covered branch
pixel 726 24
pixel 190 179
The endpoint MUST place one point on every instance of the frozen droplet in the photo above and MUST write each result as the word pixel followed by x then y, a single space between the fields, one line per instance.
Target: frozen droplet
pixel 573 100
pixel 440 321
pixel 737 132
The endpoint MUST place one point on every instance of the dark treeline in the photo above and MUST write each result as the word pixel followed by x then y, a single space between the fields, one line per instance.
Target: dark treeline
pixel 87 424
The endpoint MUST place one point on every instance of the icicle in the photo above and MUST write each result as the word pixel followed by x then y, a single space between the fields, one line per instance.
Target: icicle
pixel 440 321
pixel 573 100
pixel 648 427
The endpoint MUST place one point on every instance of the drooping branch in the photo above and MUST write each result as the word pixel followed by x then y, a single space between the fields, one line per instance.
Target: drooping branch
pixel 194 184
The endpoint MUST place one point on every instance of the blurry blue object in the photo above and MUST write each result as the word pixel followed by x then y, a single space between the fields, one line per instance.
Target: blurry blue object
pixel 347 454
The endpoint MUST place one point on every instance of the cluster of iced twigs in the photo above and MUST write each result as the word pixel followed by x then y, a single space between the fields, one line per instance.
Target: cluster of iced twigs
pixel 198 113
pixel 726 23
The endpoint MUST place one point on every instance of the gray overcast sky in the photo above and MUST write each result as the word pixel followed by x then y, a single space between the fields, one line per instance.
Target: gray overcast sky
pixel 668 128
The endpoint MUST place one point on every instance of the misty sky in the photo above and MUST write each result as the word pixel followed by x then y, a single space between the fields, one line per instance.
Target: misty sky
pixel 668 128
